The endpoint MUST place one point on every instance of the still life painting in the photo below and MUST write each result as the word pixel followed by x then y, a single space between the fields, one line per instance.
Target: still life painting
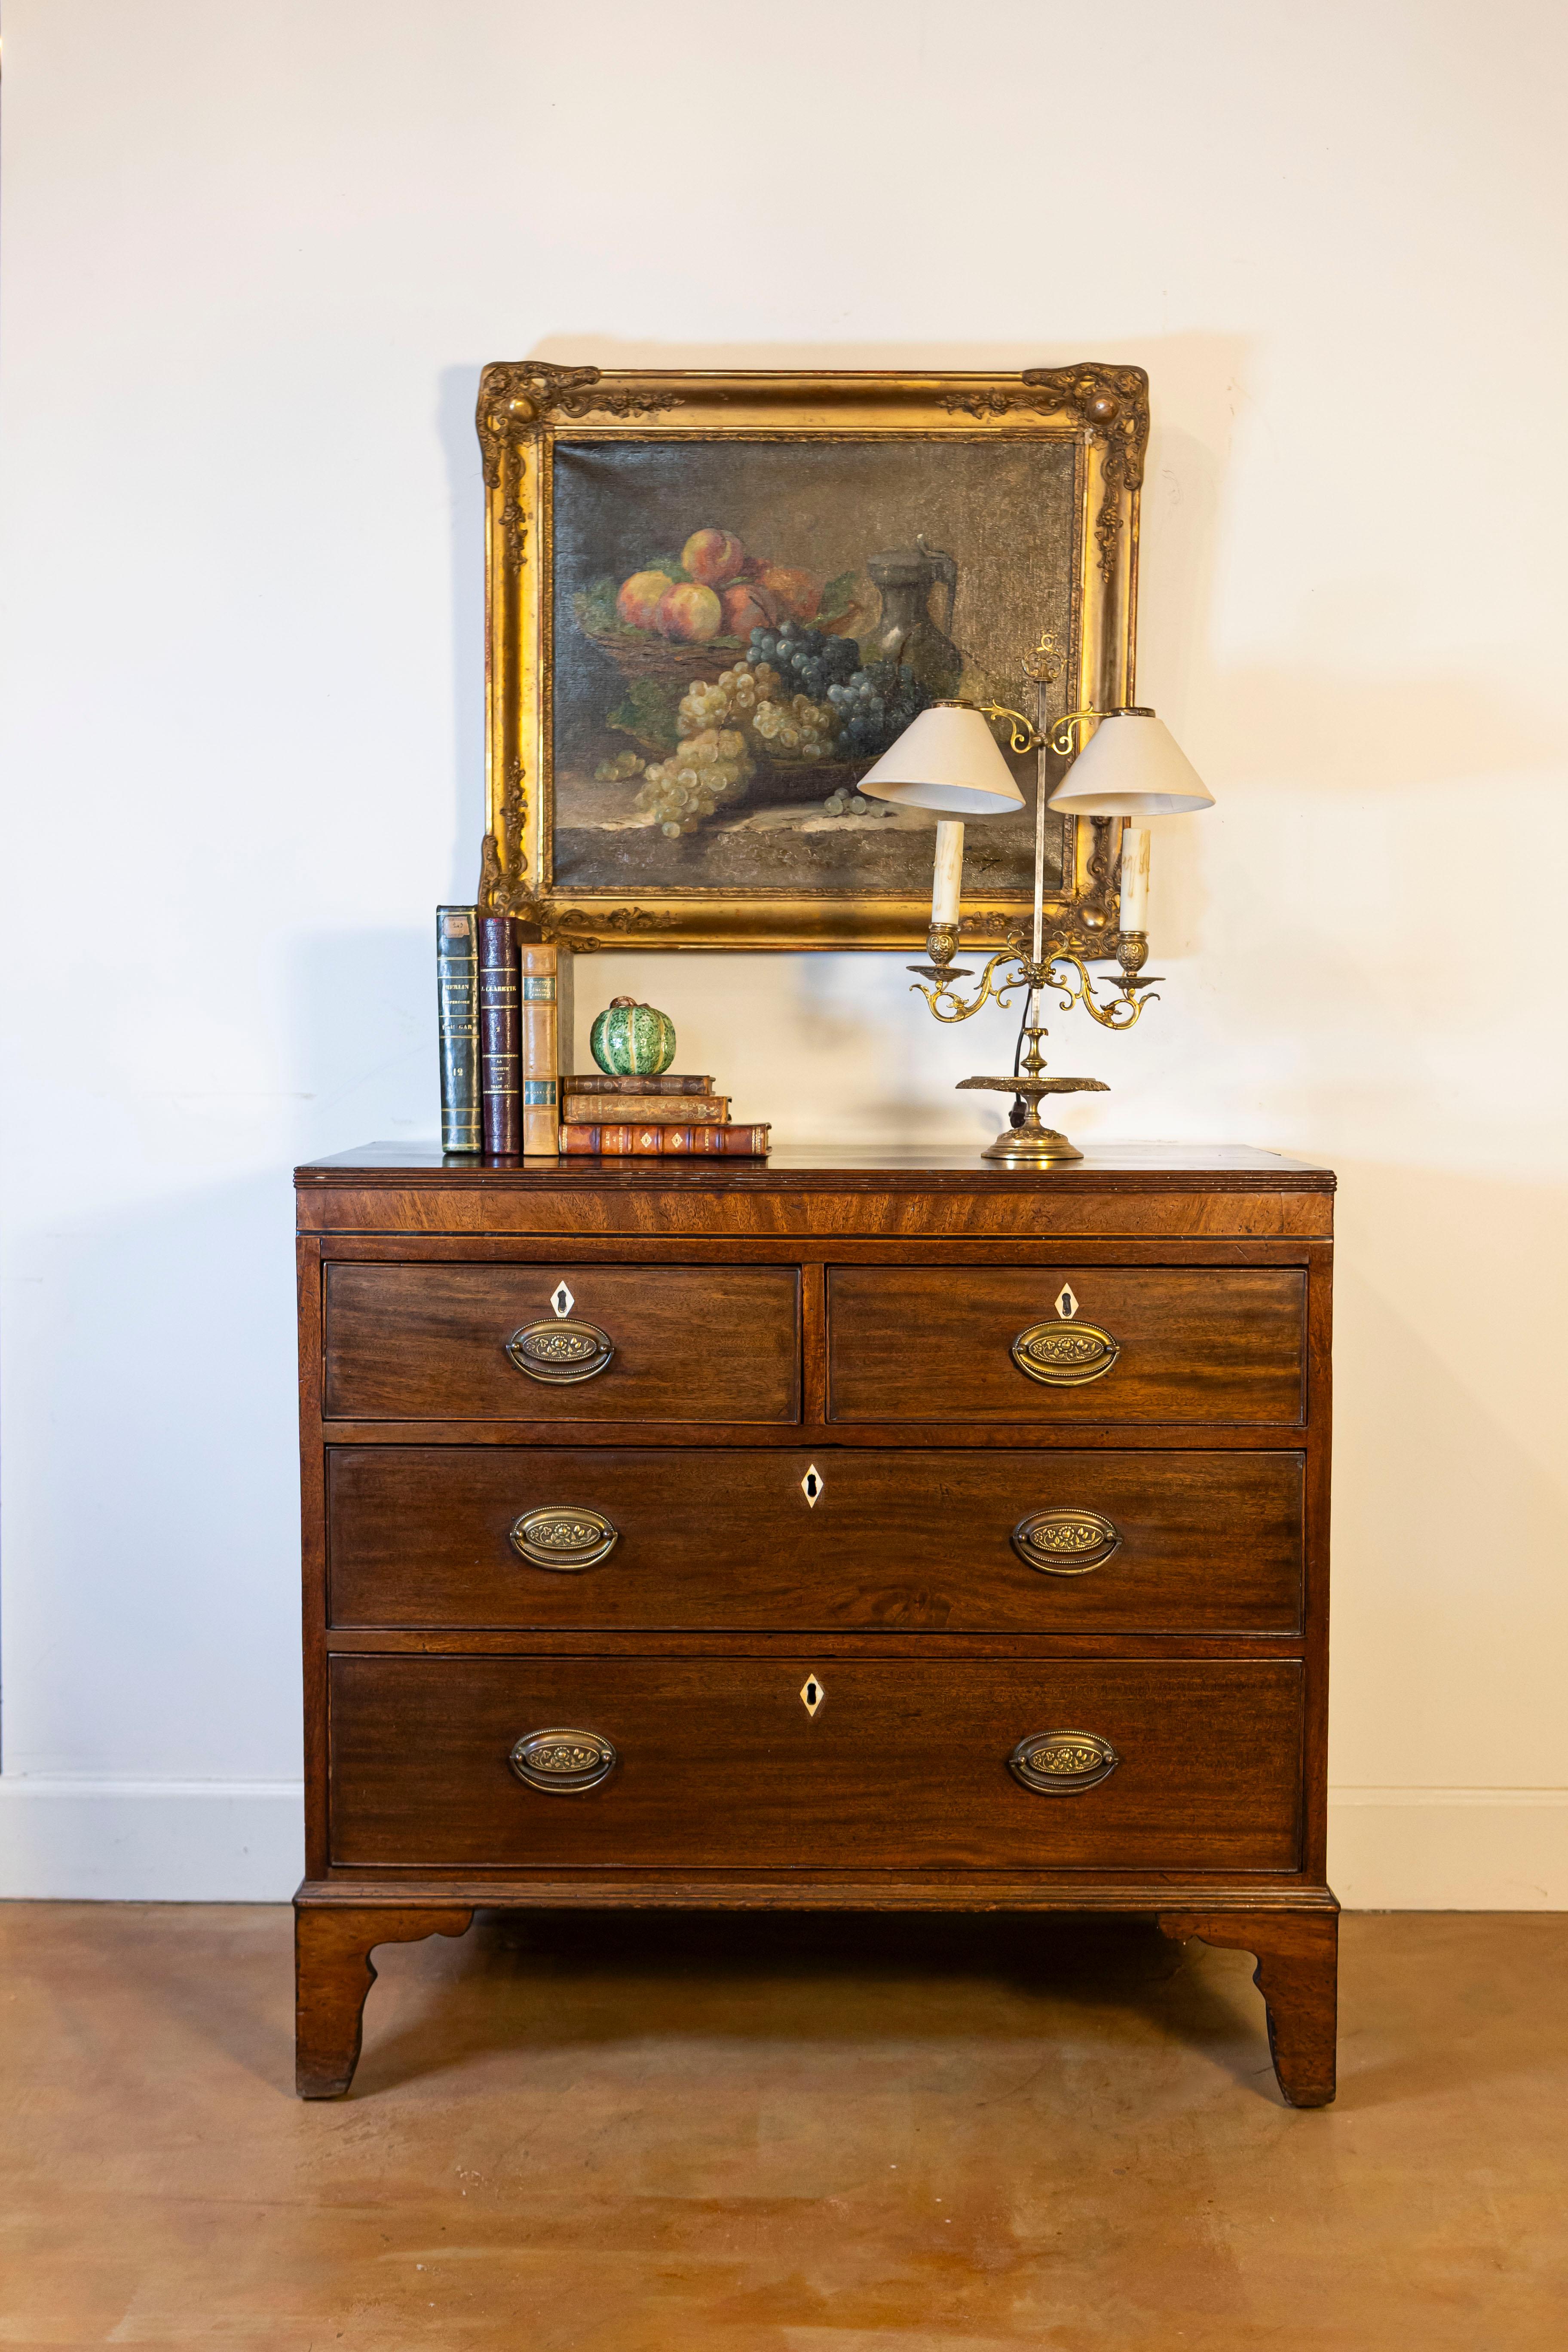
pixel 722 624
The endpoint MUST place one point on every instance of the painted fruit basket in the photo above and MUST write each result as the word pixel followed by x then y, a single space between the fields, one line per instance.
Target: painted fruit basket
pixel 641 653
pixel 665 661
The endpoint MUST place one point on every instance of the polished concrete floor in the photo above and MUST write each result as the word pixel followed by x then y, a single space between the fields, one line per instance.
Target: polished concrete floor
pixel 812 2134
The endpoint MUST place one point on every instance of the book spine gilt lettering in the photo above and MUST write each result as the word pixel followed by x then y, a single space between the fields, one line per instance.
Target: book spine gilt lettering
pixel 733 1140
pixel 499 1034
pixel 457 1014
pixel 667 1082
pixel 643 1110
pixel 539 973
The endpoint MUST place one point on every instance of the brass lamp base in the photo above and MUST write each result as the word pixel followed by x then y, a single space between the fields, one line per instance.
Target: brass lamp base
pixel 1030 1145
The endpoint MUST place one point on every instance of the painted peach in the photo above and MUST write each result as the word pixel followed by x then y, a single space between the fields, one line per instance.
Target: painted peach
pixel 748 606
pixel 640 598
pixel 690 612
pixel 712 556
pixel 797 592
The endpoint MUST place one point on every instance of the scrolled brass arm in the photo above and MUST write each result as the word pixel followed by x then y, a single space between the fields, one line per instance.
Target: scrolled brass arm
pixel 1061 733
pixel 1121 1013
pixel 986 990
pixel 1024 736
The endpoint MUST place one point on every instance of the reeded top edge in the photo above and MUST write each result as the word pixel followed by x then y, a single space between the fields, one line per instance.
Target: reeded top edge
pixel 1130 1167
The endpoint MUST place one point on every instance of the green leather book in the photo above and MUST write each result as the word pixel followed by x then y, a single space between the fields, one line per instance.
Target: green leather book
pixel 458 1011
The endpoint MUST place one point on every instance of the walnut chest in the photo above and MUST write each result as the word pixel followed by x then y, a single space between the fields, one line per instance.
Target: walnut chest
pixel 856 1532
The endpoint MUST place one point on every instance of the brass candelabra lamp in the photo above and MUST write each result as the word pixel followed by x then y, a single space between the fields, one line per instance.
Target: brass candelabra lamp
pixel 1130 767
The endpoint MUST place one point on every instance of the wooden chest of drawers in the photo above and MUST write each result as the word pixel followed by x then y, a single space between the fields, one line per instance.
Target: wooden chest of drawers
pixel 833 1533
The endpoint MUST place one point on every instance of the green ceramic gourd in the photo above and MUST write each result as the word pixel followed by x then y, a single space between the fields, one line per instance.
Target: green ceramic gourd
pixel 631 1039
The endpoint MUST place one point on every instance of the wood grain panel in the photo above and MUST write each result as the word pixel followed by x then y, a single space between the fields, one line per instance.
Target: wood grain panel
pixel 904 1543
pixel 348 1208
pixel 904 1764
pixel 1209 1344
pixel 692 1344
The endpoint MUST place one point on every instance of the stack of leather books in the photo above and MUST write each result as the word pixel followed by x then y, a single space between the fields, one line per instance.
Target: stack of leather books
pixel 675 1112
pixel 502 999
pixel 504 1003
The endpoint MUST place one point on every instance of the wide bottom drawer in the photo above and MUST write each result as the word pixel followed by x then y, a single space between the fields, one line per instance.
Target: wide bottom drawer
pixel 770 1763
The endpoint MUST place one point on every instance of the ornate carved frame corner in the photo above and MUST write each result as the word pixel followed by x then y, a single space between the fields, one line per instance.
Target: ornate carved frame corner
pixel 524 405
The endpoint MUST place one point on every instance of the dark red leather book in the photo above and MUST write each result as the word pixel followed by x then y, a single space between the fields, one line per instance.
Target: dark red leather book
pixel 500 1041
pixel 728 1136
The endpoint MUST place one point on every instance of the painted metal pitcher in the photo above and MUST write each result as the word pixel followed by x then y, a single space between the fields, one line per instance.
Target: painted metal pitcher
pixel 905 577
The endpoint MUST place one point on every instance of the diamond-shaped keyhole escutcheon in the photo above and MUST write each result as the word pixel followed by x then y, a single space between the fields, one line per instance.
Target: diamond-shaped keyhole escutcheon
pixel 812 1693
pixel 811 1485
pixel 560 1298
pixel 1067 1304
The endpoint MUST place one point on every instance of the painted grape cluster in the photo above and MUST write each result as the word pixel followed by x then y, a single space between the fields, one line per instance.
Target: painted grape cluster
pixel 868 709
pixel 805 658
pixel 875 706
pixel 711 766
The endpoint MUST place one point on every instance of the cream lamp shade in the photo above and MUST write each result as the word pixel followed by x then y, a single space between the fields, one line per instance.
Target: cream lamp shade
pixel 947 759
pixel 1131 766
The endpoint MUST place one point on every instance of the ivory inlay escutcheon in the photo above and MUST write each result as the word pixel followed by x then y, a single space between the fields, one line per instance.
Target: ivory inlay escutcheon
pixel 1065 1355
pixel 1065 1542
pixel 563 1536
pixel 1060 1763
pixel 812 1693
pixel 565 1349
pixel 562 1763
pixel 811 1485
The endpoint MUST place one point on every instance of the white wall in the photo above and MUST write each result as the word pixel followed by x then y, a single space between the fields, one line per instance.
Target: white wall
pixel 254 258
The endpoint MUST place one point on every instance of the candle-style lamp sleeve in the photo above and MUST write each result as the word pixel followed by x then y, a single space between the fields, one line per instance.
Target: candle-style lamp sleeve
pixel 948 879
pixel 1135 844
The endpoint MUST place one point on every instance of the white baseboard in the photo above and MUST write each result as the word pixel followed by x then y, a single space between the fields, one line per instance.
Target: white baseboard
pixel 1450 1849
pixel 151 1840
pixel 243 1842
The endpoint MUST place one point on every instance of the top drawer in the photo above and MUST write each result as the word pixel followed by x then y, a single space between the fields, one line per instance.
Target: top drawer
pixel 429 1343
pixel 1048 1344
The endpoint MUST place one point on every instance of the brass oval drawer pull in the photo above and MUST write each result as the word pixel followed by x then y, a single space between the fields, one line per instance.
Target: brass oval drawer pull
pixel 562 1536
pixel 1065 1355
pixel 1060 1763
pixel 564 1348
pixel 563 1763
pixel 1065 1542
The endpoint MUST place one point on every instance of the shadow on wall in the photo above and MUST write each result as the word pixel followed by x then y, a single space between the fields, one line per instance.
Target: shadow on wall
pixel 1203 359
pixel 1451 1482
pixel 361 1041
pixel 831 1050
pixel 457 390
pixel 153 1502
pixel 1323 733
pixel 1197 375
pixel 850 1055
pixel 152 1532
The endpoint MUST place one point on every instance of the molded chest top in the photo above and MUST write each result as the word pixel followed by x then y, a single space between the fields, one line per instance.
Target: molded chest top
pixel 1151 1190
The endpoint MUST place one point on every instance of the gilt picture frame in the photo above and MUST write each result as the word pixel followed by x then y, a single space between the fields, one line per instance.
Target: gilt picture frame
pixel 712 598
